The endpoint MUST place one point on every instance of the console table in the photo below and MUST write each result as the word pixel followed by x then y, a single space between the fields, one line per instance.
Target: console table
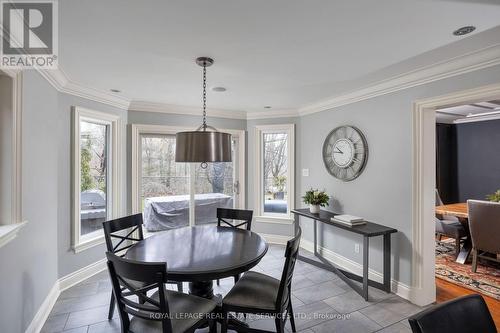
pixel 367 230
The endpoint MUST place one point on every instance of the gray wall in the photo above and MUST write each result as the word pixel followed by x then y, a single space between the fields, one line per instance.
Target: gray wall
pixel 29 263
pixel 383 192
pixel 478 159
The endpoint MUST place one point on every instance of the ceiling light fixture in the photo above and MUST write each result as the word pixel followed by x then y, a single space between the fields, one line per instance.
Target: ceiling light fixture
pixel 482 114
pixel 267 107
pixel 464 30
pixel 219 89
pixel 115 90
pixel 205 144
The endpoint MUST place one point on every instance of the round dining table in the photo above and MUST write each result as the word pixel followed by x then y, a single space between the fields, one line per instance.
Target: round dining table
pixel 201 254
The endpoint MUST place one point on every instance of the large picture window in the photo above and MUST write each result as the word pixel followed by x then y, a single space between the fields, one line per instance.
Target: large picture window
pixel 95 178
pixel 275 157
pixel 172 195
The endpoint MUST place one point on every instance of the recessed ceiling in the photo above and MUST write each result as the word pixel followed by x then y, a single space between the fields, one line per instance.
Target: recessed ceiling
pixel 469 111
pixel 284 53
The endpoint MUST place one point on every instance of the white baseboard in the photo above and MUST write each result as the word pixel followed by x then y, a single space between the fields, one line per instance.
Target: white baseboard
pixel 44 310
pixel 276 239
pixel 62 284
pixel 347 264
pixel 82 274
pixel 344 263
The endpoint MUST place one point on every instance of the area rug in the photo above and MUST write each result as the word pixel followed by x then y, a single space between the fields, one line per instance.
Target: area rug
pixel 486 281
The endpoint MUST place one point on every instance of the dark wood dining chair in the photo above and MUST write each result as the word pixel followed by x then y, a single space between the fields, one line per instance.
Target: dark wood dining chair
pixel 467 314
pixel 160 310
pixel 257 293
pixel 114 232
pixel 243 216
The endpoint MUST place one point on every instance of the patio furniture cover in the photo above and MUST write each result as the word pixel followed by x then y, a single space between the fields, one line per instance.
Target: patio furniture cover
pixel 163 213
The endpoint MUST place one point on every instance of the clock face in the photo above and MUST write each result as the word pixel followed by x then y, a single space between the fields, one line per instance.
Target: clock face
pixel 345 152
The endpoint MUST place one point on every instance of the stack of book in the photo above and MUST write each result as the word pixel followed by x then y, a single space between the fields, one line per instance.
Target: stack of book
pixel 348 220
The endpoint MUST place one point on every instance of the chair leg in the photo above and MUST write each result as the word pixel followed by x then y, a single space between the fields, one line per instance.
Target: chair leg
pixel 179 287
pixel 279 325
pixel 457 246
pixel 224 322
pixel 292 318
pixel 212 326
pixel 439 237
pixel 474 260
pixel 218 282
pixel 111 306
pixel 236 278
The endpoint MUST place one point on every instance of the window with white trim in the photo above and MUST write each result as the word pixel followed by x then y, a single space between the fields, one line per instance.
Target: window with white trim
pixel 275 170
pixel 95 175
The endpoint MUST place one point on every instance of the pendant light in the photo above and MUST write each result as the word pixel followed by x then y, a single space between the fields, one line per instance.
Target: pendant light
pixel 205 144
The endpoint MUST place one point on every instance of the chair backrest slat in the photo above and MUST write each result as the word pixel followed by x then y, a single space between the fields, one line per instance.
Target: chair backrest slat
pixel 135 278
pixel 291 253
pixel 113 227
pixel 224 214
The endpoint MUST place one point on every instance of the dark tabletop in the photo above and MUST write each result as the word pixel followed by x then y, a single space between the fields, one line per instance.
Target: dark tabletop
pixel 202 252
pixel 368 229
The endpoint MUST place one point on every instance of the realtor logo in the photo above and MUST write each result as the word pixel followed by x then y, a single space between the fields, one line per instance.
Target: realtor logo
pixel 29 31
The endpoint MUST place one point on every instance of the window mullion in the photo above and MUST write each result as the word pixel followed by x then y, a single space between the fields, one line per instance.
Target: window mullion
pixel 192 190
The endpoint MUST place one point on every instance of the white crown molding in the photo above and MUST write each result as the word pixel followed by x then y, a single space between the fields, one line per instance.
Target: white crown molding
pixel 59 80
pixel 462 64
pixel 145 106
pixel 284 113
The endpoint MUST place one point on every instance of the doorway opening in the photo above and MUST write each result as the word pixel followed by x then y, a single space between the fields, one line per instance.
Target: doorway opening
pixel 426 179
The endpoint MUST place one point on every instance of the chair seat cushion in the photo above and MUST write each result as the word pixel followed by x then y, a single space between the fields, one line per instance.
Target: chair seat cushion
pixel 253 290
pixel 450 228
pixel 185 312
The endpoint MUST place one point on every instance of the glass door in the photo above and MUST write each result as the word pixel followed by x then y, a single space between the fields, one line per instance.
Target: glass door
pixel 173 195
pixel 165 184
pixel 217 186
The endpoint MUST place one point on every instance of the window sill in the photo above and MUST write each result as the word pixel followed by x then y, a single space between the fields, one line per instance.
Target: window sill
pixel 9 232
pixel 274 219
pixel 87 244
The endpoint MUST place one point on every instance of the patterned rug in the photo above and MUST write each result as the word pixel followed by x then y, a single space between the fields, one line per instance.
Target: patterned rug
pixel 485 281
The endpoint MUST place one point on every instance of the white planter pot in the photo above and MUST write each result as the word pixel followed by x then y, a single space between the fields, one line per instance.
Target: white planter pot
pixel 314 209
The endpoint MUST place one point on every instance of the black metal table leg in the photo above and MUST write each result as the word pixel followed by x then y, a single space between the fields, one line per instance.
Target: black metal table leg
pixel 366 248
pixel 387 263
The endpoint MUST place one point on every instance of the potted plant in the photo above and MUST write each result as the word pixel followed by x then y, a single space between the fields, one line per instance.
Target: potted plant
pixel 279 182
pixel 495 197
pixel 315 199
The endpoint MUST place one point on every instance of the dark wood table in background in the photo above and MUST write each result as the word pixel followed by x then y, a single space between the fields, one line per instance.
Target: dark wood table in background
pixel 201 254
pixel 367 230
pixel 460 211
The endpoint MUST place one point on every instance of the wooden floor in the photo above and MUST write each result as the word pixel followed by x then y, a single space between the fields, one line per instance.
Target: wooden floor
pixel 446 290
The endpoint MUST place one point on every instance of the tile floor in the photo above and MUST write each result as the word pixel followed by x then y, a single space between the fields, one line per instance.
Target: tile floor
pixel 322 303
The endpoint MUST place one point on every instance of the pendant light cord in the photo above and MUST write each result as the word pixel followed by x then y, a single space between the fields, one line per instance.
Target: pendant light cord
pixel 204 96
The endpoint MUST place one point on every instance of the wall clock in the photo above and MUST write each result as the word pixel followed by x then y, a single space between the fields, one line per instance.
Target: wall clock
pixel 345 152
